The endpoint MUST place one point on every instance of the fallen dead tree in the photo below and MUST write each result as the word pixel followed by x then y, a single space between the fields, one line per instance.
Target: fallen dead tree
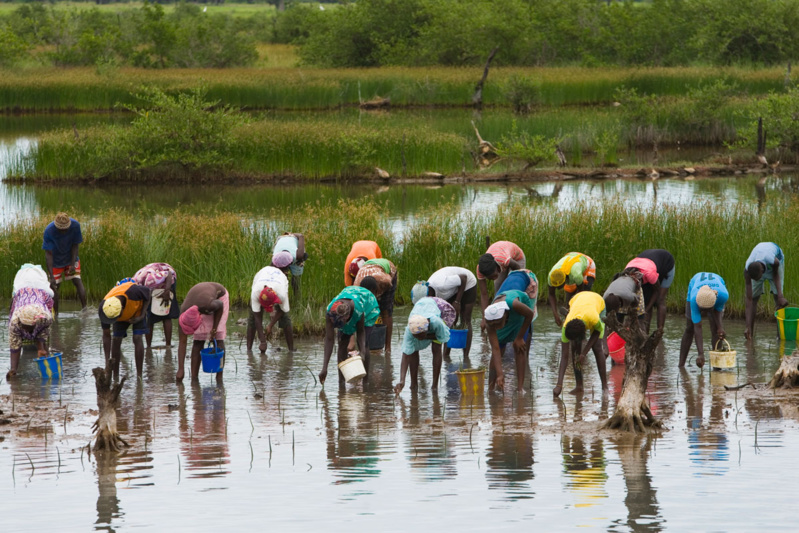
pixel 107 437
pixel 787 375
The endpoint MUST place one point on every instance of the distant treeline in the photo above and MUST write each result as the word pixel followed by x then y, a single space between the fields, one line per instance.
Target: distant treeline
pixel 372 33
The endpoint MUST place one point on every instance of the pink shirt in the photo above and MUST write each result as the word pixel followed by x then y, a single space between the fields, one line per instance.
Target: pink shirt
pixel 647 268
pixel 503 252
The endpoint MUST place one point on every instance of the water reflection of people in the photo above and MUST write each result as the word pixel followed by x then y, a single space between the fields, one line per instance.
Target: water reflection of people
pixel 203 440
pixel 584 469
pixel 643 512
pixel 510 456
pixel 352 440
pixel 429 451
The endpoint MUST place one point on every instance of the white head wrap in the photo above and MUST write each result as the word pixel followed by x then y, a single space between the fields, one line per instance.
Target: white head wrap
pixel 706 297
pixel 419 291
pixel 496 310
pixel 418 324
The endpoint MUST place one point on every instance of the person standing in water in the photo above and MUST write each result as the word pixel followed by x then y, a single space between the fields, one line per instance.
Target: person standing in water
pixel 586 314
pixel 509 319
pixel 765 263
pixel 62 238
pixel 124 306
pixel 203 315
pixel 270 293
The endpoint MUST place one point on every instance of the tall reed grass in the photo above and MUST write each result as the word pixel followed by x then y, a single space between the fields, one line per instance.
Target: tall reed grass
pixel 230 249
pixel 280 87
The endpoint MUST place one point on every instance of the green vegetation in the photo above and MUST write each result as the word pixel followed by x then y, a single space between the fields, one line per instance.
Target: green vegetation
pixel 229 249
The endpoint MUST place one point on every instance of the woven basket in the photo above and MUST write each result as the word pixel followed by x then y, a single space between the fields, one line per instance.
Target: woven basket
pixel 722 359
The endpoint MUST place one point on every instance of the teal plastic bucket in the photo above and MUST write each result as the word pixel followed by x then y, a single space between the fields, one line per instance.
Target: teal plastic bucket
pixel 213 359
pixel 50 366
pixel 788 322
pixel 457 338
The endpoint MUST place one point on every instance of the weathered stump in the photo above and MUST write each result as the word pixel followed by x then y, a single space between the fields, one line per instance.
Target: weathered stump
pixel 632 411
pixel 787 375
pixel 107 402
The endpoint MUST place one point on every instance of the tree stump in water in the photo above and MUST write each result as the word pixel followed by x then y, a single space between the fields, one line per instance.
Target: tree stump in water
pixel 107 402
pixel 632 411
pixel 787 375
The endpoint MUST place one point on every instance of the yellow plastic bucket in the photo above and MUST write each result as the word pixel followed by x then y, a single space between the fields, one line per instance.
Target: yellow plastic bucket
pixel 471 381
pixel 722 359
pixel 788 322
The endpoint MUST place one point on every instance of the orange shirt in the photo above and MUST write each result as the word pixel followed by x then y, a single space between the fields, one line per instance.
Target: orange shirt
pixel 367 249
pixel 132 307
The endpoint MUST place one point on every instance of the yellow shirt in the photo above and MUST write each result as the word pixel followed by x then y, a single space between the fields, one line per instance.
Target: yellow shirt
pixel 588 307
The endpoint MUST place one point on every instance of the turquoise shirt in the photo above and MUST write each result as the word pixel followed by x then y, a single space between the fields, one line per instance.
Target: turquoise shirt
pixel 428 308
pixel 365 307
pixel 515 320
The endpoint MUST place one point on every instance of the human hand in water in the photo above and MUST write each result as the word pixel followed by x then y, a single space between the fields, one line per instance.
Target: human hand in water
pixel 398 387
pixel 262 347
pixel 700 360
pixel 323 376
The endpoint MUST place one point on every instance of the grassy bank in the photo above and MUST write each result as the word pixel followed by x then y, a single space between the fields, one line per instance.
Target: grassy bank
pixel 225 248
pixel 86 89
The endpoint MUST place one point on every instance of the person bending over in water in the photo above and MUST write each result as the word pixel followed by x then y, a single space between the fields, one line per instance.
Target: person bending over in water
pixel 289 256
pixel 270 293
pixel 575 272
pixel 62 238
pixel 162 281
pixel 125 305
pixel 501 258
pixel 361 252
pixel 624 296
pixel 458 286
pixel 765 263
pixel 586 312
pixel 31 313
pixel 384 274
pixel 353 312
pixel 428 323
pixel 203 315
pixel 707 295
pixel 657 271
pixel 508 319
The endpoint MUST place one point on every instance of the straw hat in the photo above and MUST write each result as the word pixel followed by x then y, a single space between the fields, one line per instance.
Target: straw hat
pixel 62 221
pixel 706 297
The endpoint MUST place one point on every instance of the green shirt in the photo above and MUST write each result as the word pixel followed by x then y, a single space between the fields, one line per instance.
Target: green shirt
pixel 515 320
pixel 365 306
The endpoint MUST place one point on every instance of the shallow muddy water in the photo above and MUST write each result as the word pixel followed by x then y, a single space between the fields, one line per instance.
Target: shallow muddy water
pixel 271 448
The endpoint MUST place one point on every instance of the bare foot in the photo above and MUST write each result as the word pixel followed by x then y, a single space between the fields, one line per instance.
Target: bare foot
pixel 576 390
pixel 556 391
pixel 605 393
pixel 179 376
pixel 10 374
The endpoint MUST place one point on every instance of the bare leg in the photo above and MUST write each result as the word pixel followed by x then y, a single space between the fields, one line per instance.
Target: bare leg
pixel 196 359
pixel 250 332
pixel 56 298
pixel 414 368
pixel 389 322
pixel 14 363
pixel 466 314
pixel 149 337
pixel 138 350
pixel 599 356
pixel 343 349
pixel 564 363
pixel 576 348
pixel 289 330
pixel 167 332
pixel 107 345
pixel 437 359
pixel 116 355
pixel 81 291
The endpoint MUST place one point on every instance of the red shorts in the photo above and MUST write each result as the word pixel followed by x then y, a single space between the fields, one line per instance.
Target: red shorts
pixel 60 273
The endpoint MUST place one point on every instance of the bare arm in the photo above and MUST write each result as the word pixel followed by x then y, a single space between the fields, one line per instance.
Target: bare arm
pixel 403 372
pixel 514 265
pixel 300 246
pixel 781 301
pixel 274 319
pixel 525 311
pixel 182 341
pixel 589 345
pixel 459 297
pixel 553 304
pixel 258 317
pixel 482 284
pixel 330 334
pixel 655 294
pixel 360 332
pixel 700 359
pixel 496 360
pixel 48 259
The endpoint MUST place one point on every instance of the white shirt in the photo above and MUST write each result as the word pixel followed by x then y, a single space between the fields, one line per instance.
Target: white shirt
pixel 32 276
pixel 446 281
pixel 274 279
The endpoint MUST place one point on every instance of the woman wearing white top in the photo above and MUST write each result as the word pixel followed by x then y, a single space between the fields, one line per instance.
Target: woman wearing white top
pixel 270 293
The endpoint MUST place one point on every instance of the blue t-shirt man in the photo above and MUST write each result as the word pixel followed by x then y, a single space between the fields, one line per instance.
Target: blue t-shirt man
pixel 60 242
pixel 715 282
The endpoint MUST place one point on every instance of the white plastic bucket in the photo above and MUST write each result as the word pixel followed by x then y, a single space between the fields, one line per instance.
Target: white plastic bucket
pixel 157 306
pixel 352 368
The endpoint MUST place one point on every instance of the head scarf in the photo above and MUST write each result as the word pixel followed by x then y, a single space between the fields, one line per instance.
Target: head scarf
pixel 282 259
pixel 338 313
pixel 268 298
pixel 32 314
pixel 706 297
pixel 496 310
pixel 62 221
pixel 112 307
pixel 125 280
pixel 356 265
pixel 419 291
pixel 190 320
pixel 418 324
pixel 557 278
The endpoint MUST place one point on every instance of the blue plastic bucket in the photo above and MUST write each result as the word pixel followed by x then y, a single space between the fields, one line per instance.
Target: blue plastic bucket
pixel 213 359
pixel 457 338
pixel 50 366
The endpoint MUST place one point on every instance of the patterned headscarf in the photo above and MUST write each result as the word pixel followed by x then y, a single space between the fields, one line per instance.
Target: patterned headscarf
pixel 418 324
pixel 338 313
